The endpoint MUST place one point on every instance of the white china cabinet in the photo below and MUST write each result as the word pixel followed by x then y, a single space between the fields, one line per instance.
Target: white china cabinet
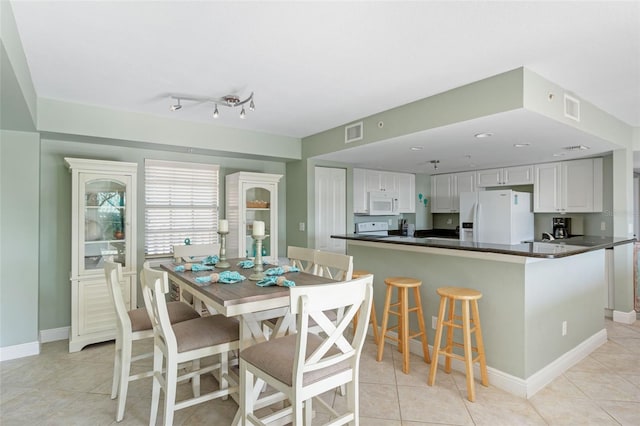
pixel 103 203
pixel 250 197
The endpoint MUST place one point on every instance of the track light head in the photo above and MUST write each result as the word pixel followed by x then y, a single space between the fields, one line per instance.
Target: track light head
pixel 243 114
pixel 215 112
pixel 177 106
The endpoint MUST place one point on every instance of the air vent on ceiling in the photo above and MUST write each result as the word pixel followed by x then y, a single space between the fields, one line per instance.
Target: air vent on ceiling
pixel 571 107
pixel 353 132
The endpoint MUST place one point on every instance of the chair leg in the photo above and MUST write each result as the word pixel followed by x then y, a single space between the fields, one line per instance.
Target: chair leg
pixel 374 322
pixel 246 393
pixel 171 377
pixel 117 362
pixel 353 399
pixel 404 312
pixel 125 368
pixel 195 380
pixel 308 411
pixel 155 390
pixel 423 329
pixel 436 342
pixel 224 370
pixel 385 320
pixel 468 354
pixel 449 347
pixel 480 343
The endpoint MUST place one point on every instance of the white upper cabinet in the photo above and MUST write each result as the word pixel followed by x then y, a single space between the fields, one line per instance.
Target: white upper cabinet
pixel 446 189
pixel 365 181
pixel 568 187
pixel 518 175
pixel 406 192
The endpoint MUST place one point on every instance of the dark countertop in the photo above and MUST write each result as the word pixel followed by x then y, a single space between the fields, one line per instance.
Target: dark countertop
pixel 552 249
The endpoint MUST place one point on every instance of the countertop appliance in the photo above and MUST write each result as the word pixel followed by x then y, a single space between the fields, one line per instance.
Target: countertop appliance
pixel 561 227
pixel 497 217
pixel 377 229
pixel 382 203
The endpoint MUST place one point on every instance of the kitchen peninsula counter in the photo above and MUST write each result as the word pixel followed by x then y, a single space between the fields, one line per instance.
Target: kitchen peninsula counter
pixel 550 250
pixel 543 303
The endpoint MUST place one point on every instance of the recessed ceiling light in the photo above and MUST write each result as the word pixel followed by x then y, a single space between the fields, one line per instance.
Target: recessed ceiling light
pixel 520 145
pixel 416 148
pixel 483 135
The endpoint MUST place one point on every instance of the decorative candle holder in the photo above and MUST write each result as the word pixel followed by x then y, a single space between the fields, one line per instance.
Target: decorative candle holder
pixel 222 263
pixel 258 269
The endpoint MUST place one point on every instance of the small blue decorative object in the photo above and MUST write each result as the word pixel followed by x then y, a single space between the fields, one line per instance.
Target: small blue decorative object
pixel 179 268
pixel 187 241
pixel 230 277
pixel 279 270
pixel 246 264
pixel 273 280
pixel 197 267
pixel 210 260
pixel 420 196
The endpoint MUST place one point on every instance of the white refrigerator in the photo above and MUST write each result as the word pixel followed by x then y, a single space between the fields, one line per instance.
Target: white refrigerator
pixel 497 217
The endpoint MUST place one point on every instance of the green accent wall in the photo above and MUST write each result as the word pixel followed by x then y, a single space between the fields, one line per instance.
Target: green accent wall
pixel 19 208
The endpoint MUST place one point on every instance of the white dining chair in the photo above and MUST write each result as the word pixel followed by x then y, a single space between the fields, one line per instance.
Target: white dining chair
pixel 304 365
pixel 302 258
pixel 188 341
pixel 132 325
pixel 335 266
pixel 194 253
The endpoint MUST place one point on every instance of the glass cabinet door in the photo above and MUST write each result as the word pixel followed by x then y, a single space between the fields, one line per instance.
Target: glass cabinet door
pixel 258 207
pixel 103 210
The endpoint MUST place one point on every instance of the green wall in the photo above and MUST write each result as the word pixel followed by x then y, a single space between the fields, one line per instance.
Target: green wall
pixel 19 272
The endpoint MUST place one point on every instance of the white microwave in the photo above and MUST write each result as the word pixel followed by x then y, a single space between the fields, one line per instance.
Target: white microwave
pixel 383 203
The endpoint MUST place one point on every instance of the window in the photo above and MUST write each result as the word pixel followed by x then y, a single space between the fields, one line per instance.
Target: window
pixel 181 201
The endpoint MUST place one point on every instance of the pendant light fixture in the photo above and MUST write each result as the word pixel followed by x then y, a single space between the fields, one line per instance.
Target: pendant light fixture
pixel 230 101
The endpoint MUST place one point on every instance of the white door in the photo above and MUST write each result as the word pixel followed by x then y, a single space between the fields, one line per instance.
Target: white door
pixel 331 208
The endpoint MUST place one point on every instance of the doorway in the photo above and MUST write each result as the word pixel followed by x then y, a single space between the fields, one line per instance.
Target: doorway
pixel 330 208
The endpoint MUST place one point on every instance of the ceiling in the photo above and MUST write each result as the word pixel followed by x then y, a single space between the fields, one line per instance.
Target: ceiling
pixel 319 65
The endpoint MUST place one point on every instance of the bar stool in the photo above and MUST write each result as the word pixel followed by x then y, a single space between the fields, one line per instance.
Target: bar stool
pixel 359 273
pixel 403 284
pixel 448 296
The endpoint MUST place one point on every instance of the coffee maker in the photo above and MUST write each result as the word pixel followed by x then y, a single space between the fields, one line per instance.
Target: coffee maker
pixel 561 227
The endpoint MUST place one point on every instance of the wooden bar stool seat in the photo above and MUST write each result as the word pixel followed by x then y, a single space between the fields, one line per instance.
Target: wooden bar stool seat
pixel 469 322
pixel 359 273
pixel 403 284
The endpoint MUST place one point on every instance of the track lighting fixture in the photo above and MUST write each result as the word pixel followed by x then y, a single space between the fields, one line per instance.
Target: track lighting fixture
pixel 435 164
pixel 177 106
pixel 230 101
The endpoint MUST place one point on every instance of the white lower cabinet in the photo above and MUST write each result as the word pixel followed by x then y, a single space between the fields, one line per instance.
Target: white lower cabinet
pixel 95 312
pixel 568 187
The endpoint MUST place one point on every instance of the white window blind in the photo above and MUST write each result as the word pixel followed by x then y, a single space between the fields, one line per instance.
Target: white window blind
pixel 181 201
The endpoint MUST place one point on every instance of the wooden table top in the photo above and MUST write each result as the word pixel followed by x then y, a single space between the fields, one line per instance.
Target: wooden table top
pixel 244 292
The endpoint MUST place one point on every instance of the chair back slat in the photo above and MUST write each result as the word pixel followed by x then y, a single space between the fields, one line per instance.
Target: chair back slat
pixel 155 285
pixel 186 252
pixel 302 258
pixel 311 302
pixel 335 266
pixel 113 274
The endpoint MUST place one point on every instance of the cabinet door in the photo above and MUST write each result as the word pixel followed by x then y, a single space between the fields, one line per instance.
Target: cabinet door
pixel 95 308
pixel 547 191
pixel 519 175
pixel 578 186
pixel 259 202
pixel 103 221
pixel 406 192
pixel 491 177
pixel 441 193
pixel 359 191
pixel 373 180
pixel 463 182
pixel 389 182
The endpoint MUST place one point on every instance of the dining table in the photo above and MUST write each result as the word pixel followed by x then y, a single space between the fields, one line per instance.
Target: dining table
pixel 247 301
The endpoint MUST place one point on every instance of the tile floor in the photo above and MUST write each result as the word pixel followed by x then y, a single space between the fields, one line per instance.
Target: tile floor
pixel 58 388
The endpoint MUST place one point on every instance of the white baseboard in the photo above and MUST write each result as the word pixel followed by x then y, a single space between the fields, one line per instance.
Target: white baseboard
pixel 54 334
pixel 515 385
pixel 624 317
pixel 19 351
pixel 546 375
